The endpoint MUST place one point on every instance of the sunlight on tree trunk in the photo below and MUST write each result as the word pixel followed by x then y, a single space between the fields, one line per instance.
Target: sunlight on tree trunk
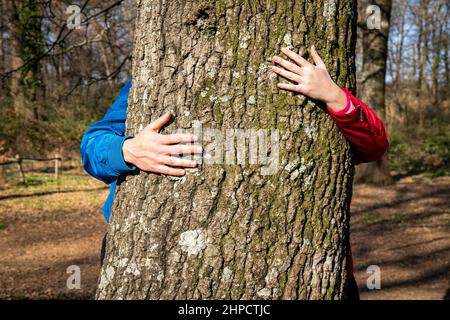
pixel 226 231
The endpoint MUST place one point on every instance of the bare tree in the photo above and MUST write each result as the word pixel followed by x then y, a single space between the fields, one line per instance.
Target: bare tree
pixel 371 82
pixel 423 52
pixel 446 46
pixel 3 62
pixel 398 52
pixel 54 74
pixel 2 49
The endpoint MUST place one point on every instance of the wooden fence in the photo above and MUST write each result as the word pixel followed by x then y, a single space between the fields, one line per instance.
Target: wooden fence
pixel 19 161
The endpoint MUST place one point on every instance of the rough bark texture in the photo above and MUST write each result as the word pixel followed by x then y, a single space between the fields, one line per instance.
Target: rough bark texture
pixel 227 231
pixel 2 50
pixel 371 86
pixel 16 62
pixel 26 54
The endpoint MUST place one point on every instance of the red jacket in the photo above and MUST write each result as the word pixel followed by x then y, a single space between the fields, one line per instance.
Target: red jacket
pixel 363 130
pixel 365 133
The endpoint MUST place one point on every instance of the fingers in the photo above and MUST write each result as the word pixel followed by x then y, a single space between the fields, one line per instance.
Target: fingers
pixel 287 74
pixel 168 170
pixel 182 149
pixel 287 65
pixel 317 59
pixel 167 164
pixel 178 138
pixel 177 162
pixel 160 122
pixel 291 87
pixel 302 62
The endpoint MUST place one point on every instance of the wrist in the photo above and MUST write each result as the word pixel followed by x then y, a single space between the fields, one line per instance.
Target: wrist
pixel 336 99
pixel 126 151
pixel 115 160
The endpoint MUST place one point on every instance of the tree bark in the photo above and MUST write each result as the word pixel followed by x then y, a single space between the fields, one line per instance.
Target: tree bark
pixel 26 54
pixel 371 85
pixel 16 62
pixel 439 20
pixel 227 231
pixel 422 52
pixel 2 52
pixel 446 59
pixel 401 41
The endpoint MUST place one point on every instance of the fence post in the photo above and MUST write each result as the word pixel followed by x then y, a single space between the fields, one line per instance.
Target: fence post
pixel 56 166
pixel 2 176
pixel 21 172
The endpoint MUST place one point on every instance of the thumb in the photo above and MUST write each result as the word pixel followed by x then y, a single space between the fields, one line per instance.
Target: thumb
pixel 317 59
pixel 160 122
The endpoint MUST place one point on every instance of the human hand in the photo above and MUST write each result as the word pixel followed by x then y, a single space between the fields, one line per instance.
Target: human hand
pixel 310 80
pixel 152 151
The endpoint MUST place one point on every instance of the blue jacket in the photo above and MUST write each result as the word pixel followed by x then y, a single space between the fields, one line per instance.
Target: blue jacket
pixel 101 147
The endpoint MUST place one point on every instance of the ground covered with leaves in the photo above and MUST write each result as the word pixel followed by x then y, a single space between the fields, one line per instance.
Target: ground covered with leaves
pixel 48 225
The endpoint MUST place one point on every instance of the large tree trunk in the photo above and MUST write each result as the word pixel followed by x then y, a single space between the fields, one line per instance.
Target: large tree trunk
pixel 371 85
pixel 235 231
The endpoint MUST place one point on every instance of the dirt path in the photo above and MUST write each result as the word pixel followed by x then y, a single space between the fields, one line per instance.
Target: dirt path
pixel 44 234
pixel 403 229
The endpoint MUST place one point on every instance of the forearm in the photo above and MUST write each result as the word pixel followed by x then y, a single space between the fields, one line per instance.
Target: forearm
pixel 102 156
pixel 357 122
pixel 362 128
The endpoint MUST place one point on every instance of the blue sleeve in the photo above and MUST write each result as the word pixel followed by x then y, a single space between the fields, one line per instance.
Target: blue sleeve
pixel 101 146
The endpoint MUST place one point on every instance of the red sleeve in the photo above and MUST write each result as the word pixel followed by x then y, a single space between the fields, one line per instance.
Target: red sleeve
pixel 363 130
